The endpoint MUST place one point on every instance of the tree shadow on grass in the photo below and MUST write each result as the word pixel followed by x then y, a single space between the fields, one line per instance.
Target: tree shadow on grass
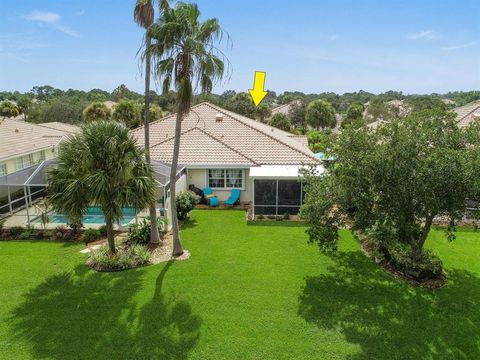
pixel 389 319
pixel 86 315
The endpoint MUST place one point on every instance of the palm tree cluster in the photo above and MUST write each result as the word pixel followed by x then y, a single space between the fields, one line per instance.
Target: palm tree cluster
pixel 185 55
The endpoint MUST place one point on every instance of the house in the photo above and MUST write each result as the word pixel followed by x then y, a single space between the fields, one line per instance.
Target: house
pixel 224 150
pixel 286 108
pixel 468 113
pixel 24 144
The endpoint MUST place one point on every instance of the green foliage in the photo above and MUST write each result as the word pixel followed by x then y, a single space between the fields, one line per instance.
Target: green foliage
pixel 139 233
pixel 241 104
pixel 96 111
pixel 60 109
pixel 91 235
pixel 320 114
pixel 186 201
pixel 129 112
pixel 354 115
pixel 103 230
pixel 320 141
pixel 378 109
pixel 156 112
pixel 125 258
pixel 263 111
pixel 280 121
pixel 102 166
pixel 297 114
pixel 9 109
pixel 419 103
pixel 403 174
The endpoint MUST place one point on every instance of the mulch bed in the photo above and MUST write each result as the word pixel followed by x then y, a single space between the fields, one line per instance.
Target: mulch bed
pixel 430 283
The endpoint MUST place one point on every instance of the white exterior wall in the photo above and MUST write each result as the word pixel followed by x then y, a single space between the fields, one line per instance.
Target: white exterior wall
pixel 198 177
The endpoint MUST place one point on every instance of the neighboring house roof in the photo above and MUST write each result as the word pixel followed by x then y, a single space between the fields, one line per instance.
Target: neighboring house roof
pixel 468 113
pixel 21 138
pixel 302 139
pixel 238 137
pixel 68 128
pixel 285 108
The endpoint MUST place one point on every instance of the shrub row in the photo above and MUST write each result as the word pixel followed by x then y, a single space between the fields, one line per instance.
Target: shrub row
pixel 60 233
pixel 126 257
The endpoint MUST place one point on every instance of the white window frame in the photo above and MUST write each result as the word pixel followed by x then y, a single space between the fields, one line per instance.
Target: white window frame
pixel 3 169
pixel 225 187
pixel 23 162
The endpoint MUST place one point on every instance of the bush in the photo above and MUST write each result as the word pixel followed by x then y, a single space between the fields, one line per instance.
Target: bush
pixel 286 216
pixel 15 231
pixel 126 258
pixel 427 267
pixel 27 234
pixel 260 217
pixel 103 230
pixel 91 235
pixel 60 233
pixel 139 233
pixel 186 201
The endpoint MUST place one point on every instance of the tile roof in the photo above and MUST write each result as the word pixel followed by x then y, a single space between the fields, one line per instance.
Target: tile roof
pixel 21 138
pixel 468 113
pixel 243 137
pixel 68 128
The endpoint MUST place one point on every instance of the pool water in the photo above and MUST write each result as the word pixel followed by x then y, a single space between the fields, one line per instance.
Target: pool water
pixel 94 215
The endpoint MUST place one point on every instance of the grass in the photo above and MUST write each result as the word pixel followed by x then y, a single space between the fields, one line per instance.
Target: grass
pixel 248 292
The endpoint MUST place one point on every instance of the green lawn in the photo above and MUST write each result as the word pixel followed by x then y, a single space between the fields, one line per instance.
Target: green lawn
pixel 248 292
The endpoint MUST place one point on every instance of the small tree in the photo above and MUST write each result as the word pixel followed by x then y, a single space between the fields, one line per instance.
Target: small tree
pixel 297 114
pixel 392 181
pixel 281 121
pixel 320 114
pixel 128 112
pixel 24 103
pixel 263 112
pixel 101 166
pixel 96 111
pixel 9 109
pixel 242 104
pixel 354 114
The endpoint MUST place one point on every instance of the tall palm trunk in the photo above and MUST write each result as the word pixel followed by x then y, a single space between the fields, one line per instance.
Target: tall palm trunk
pixel 177 245
pixel 154 235
pixel 110 237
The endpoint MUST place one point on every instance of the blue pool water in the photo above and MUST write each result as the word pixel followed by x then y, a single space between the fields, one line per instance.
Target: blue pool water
pixel 94 215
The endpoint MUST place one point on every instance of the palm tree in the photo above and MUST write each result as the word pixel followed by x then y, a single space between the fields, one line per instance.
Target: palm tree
pixel 144 15
pixel 101 166
pixel 185 54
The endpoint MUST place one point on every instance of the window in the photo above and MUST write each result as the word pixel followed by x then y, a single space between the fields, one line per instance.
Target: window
pixel 24 161
pixel 3 169
pixel 225 178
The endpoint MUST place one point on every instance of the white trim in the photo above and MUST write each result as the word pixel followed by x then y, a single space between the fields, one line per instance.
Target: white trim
pixel 243 188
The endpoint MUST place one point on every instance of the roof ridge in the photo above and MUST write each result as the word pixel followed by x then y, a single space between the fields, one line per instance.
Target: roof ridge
pixel 262 132
pixel 172 137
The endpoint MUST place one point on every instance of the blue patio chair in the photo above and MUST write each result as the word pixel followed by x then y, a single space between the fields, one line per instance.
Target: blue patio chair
pixel 212 199
pixel 234 197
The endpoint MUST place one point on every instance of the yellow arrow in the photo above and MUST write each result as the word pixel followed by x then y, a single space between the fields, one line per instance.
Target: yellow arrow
pixel 258 93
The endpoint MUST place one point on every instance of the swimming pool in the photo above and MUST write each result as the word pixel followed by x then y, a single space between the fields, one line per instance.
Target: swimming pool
pixel 94 215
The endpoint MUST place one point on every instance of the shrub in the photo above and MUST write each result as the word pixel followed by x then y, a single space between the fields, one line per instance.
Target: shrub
pixel 139 233
pixel 27 234
pixel 260 217
pixel 125 258
pixel 286 216
pixel 428 266
pixel 60 233
pixel 91 235
pixel 186 201
pixel 103 230
pixel 15 231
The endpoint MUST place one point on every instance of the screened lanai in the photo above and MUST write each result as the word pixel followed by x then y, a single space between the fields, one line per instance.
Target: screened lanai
pixel 21 193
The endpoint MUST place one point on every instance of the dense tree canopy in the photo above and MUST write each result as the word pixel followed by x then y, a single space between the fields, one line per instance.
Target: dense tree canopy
pixel 320 114
pixel 354 114
pixel 263 111
pixel 393 182
pixel 9 109
pixel 96 111
pixel 242 104
pixel 281 121
pixel 129 112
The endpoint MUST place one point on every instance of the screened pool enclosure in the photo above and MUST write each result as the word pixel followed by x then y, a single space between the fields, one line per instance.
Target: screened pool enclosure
pixel 277 197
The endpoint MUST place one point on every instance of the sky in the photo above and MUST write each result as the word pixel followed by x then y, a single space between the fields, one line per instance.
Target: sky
pixel 414 46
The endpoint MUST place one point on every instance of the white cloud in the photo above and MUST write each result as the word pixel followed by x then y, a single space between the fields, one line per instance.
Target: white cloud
pixel 44 16
pixel 460 46
pixel 52 19
pixel 423 35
